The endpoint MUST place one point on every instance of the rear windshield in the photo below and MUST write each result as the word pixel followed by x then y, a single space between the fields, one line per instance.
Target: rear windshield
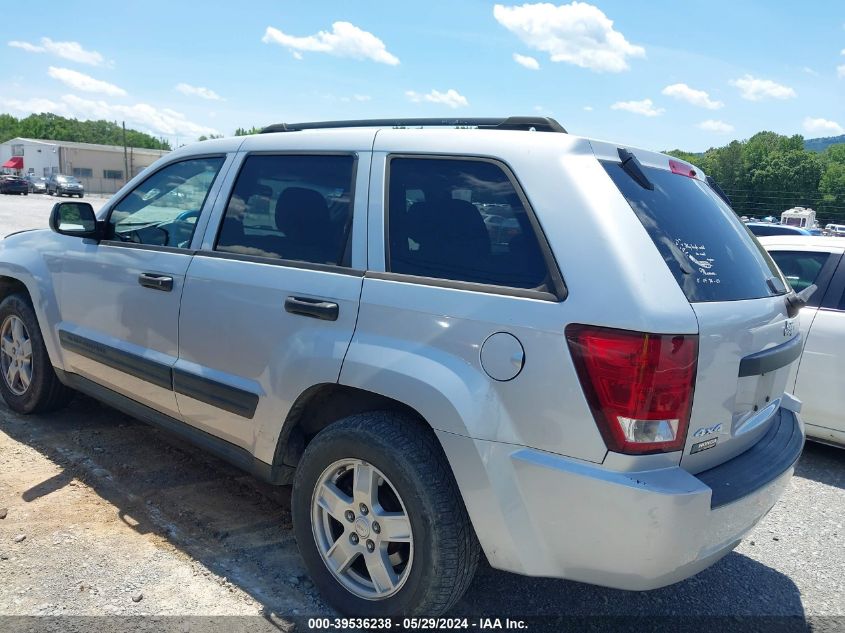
pixel 708 249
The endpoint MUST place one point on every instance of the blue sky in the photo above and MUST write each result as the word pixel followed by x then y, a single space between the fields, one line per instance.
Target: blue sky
pixel 655 74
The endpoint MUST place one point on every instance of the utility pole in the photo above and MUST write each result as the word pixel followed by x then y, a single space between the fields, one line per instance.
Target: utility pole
pixel 125 157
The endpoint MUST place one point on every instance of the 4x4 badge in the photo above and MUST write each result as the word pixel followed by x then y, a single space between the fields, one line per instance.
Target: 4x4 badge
pixel 707 430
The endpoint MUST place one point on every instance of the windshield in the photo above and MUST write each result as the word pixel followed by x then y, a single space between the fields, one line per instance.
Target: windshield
pixel 710 252
pixel 67 179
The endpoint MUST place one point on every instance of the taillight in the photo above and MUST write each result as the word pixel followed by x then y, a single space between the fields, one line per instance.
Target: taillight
pixel 639 386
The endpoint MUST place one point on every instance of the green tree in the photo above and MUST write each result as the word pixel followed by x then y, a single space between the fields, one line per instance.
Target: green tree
pixel 832 189
pixel 244 132
pixel 50 126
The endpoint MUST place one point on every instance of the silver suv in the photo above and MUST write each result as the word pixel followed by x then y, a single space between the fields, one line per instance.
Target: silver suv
pixel 567 354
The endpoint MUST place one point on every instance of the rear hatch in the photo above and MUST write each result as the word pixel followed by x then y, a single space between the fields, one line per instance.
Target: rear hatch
pixel 746 339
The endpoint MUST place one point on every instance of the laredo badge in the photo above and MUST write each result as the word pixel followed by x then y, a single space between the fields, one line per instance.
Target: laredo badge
pixel 703 446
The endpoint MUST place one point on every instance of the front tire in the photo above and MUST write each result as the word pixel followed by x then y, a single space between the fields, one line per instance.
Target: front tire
pixel 379 519
pixel 28 382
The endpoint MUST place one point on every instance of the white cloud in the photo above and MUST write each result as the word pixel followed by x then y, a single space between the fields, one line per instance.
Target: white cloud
pixel 34 106
pixel 345 40
pixel 691 95
pixel 527 61
pixel 198 91
pixel 810 71
pixel 143 115
pixel 577 33
pixel 840 71
pixel 587 108
pixel 450 98
pixel 30 48
pixel 358 98
pixel 67 50
pixel 644 107
pixel 823 127
pixel 754 89
pixel 84 83
pixel 720 127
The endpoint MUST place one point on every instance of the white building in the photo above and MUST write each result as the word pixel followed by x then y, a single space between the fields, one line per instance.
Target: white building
pixel 101 168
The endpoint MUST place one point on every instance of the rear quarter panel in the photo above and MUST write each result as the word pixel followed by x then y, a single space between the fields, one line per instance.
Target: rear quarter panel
pixel 420 344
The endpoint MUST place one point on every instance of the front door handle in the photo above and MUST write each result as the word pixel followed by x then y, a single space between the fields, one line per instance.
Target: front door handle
pixel 316 308
pixel 156 282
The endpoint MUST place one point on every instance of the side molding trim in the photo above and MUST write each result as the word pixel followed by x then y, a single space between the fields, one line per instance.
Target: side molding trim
pixel 217 394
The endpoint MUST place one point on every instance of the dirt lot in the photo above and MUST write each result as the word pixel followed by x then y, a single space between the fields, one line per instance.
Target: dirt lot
pixel 119 518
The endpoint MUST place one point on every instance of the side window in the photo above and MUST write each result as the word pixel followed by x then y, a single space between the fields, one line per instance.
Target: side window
pixel 801 269
pixel 291 207
pixel 460 220
pixel 163 210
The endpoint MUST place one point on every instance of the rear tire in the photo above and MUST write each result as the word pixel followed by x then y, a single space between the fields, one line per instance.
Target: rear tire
pixel 429 549
pixel 28 382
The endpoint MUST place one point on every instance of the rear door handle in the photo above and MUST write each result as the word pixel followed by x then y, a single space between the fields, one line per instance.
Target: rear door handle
pixel 156 282
pixel 316 308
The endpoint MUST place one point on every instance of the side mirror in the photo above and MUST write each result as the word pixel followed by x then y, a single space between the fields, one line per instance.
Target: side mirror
pixel 75 218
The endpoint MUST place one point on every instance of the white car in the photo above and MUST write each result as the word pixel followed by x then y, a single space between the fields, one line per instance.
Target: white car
pixel 818 378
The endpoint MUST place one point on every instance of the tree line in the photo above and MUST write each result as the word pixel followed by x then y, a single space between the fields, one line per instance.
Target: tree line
pixel 47 126
pixel 770 173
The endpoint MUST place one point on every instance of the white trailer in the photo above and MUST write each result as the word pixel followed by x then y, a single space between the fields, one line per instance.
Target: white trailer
pixel 802 217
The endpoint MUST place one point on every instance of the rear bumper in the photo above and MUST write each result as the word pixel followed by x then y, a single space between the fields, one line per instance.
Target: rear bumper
pixel 541 514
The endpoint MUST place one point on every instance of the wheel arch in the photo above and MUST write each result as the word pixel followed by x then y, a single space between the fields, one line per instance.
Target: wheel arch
pixel 29 276
pixel 13 285
pixel 320 406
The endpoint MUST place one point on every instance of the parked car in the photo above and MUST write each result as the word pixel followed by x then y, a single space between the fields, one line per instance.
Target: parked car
pixel 765 228
pixel 13 184
pixel 61 185
pixel 818 379
pixel 599 398
pixel 37 184
pixel 835 230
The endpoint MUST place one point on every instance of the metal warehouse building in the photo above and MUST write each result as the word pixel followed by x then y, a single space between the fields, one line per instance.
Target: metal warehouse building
pixel 99 167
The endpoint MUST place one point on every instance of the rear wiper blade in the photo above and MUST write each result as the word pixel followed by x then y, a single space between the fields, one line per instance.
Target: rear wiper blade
pixel 632 167
pixel 797 300
pixel 719 191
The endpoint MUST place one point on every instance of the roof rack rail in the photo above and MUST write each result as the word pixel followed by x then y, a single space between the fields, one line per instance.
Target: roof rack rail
pixel 540 124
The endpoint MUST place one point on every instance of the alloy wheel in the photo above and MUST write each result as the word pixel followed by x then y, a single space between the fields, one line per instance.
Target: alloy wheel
pixel 361 529
pixel 15 355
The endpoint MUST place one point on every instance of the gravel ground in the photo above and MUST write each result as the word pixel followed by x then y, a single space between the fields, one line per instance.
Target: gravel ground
pixel 120 518
pixel 33 211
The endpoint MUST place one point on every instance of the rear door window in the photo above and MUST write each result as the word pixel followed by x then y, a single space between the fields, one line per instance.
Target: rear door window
pixel 710 252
